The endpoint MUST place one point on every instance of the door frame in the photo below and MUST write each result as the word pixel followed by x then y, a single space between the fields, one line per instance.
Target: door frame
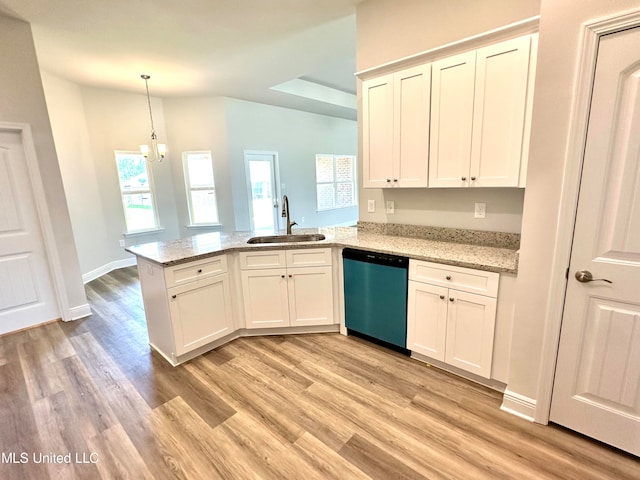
pixel 276 180
pixel 44 218
pixel 591 33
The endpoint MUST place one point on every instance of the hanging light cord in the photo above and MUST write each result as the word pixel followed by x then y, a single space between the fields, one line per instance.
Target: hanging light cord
pixel 146 84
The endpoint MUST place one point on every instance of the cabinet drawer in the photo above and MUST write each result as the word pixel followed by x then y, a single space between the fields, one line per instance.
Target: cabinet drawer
pixel 200 269
pixel 262 259
pixel 463 279
pixel 310 257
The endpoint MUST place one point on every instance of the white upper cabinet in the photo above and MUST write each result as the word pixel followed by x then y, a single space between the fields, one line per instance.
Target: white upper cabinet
pixel 451 120
pixel 499 113
pixel 395 128
pixel 411 126
pixel 377 131
pixel 479 115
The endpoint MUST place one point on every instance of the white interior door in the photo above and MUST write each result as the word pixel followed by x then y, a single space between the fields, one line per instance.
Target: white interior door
pixel 262 183
pixel 27 296
pixel 597 382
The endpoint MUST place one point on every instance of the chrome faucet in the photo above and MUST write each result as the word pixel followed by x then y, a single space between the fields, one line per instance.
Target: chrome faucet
pixel 285 214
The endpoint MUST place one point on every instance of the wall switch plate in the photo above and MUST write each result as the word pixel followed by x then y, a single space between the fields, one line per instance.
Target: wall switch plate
pixel 390 207
pixel 480 211
pixel 122 243
pixel 371 206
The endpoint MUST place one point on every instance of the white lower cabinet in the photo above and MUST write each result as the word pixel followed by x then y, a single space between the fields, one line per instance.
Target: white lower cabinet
pixel 187 306
pixel 297 289
pixel 452 325
pixel 200 312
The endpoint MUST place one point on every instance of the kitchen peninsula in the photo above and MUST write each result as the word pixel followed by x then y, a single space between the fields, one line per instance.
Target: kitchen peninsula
pixel 203 291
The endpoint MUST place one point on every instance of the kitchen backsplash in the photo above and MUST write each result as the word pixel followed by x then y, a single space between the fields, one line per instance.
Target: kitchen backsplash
pixel 442 234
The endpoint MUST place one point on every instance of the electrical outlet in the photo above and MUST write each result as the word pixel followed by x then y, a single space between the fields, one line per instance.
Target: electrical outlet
pixel 481 210
pixel 122 243
pixel 390 207
pixel 371 206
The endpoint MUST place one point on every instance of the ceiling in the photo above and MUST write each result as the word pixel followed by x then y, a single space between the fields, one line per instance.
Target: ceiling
pixel 238 48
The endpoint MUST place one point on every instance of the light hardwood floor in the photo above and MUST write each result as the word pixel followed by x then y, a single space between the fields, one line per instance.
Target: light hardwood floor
pixel 296 407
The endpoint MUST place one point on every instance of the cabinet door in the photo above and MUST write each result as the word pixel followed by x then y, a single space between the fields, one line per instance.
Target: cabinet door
pixel 310 296
pixel 427 319
pixel 451 120
pixel 265 298
pixel 200 312
pixel 412 97
pixel 377 131
pixel 502 73
pixel 470 327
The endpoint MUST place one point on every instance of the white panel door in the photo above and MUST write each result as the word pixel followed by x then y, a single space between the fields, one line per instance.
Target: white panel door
pixel 412 97
pixel 200 312
pixel 377 132
pixel 502 73
pixel 427 319
pixel 310 296
pixel 266 302
pixel 27 296
pixel 597 381
pixel 451 119
pixel 471 323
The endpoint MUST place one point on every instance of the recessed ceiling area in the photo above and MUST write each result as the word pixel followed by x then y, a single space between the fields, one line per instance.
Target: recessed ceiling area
pixel 193 48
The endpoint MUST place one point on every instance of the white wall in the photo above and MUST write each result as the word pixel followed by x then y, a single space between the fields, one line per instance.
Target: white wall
pixel 558 55
pixel 297 137
pixel 23 101
pixel 200 124
pixel 77 166
pixel 120 121
pixel 91 123
pixel 388 30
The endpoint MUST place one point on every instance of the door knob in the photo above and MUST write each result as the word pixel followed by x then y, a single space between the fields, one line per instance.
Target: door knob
pixel 585 276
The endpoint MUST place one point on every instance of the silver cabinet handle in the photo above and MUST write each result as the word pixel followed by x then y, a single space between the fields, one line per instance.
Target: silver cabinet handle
pixel 585 276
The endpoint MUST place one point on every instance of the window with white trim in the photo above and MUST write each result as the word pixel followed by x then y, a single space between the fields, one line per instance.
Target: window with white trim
pixel 200 186
pixel 335 181
pixel 136 189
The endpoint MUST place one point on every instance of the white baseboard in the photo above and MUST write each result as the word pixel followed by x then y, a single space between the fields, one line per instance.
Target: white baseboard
pixel 76 313
pixel 519 405
pixel 103 270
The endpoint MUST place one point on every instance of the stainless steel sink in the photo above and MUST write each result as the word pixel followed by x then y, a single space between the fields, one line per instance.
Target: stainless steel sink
pixel 309 237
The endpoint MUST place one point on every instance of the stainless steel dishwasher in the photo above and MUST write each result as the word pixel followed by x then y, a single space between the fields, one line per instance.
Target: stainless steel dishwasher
pixel 375 293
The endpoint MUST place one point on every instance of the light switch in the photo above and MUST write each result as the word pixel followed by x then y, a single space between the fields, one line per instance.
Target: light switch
pixel 390 206
pixel 481 210
pixel 371 206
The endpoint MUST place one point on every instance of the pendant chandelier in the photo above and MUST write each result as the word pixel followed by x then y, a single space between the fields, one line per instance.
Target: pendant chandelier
pixel 157 151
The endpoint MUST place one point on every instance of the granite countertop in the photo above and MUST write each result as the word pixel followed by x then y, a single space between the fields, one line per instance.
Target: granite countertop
pixel 488 258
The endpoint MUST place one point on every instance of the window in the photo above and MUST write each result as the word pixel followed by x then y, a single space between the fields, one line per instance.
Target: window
pixel 335 181
pixel 136 188
pixel 201 190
